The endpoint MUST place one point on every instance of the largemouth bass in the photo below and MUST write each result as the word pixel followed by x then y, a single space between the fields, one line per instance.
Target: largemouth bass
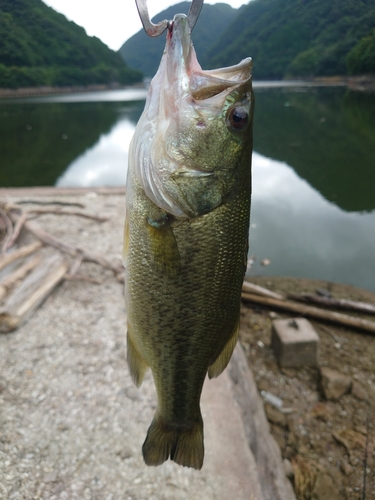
pixel 186 237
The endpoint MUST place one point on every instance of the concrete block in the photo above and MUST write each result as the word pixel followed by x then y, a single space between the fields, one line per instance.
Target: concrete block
pixel 295 342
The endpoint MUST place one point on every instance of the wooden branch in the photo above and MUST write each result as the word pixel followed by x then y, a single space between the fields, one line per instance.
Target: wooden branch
pixel 259 290
pixel 9 230
pixel 331 302
pixel 16 230
pixel 49 239
pixel 312 312
pixel 13 213
pixel 61 211
pixel 116 267
pixel 7 283
pixel 39 202
pixel 34 289
pixel 75 265
pixel 82 277
pixel 24 251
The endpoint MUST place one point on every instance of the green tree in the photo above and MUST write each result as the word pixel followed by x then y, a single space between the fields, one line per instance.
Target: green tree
pixel 41 47
pixel 361 59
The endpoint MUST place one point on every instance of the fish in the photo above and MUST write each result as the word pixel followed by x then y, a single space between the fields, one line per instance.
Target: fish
pixel 186 237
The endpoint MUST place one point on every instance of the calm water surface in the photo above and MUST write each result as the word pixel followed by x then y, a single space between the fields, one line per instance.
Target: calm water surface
pixel 313 204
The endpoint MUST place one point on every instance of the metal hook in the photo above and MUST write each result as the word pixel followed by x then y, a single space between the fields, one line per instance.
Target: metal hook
pixel 157 29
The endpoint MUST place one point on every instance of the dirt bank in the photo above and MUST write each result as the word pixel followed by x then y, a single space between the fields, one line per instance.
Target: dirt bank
pixel 324 440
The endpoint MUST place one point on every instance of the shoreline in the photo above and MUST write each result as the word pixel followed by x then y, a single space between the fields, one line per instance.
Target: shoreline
pixel 75 89
pixel 363 83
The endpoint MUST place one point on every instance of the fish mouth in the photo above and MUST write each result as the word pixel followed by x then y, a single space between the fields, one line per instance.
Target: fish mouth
pixel 183 100
pixel 207 84
pixel 184 69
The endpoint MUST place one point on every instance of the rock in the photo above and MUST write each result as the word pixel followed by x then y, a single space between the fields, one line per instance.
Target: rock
pixel 124 453
pixel 279 436
pixel 359 392
pixel 361 429
pixel 321 411
pixel 334 384
pixel 295 343
pixel 346 468
pixel 51 477
pixel 288 467
pixel 275 416
pixel 325 488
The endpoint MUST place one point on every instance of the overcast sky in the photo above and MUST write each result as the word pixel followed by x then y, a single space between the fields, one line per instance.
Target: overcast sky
pixel 113 21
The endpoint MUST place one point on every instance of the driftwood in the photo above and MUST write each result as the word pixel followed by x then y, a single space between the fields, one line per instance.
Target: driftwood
pixel 8 227
pixel 61 211
pixel 331 302
pixel 20 253
pixel 19 274
pixel 25 298
pixel 52 202
pixel 259 290
pixel 24 285
pixel 312 312
pixel 16 232
pixel 82 277
pixel 50 240
pixel 24 216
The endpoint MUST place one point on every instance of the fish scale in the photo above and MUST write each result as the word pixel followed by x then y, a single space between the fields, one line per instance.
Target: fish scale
pixel 184 272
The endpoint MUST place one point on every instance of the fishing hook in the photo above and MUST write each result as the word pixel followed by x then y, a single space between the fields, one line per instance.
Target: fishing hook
pixel 157 29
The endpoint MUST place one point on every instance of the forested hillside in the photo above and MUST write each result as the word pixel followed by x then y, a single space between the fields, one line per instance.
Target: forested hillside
pixel 300 38
pixel 144 53
pixel 41 47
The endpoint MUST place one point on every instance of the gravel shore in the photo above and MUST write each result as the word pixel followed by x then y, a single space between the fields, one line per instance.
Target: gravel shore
pixel 71 421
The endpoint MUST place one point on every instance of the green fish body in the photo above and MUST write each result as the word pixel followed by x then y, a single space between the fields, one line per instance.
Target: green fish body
pixel 186 237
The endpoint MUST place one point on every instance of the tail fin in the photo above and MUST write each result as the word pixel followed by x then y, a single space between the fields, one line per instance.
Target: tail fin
pixel 184 446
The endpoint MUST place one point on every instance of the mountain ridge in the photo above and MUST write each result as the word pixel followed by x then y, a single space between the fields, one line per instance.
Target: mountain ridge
pixel 285 38
pixel 301 38
pixel 41 47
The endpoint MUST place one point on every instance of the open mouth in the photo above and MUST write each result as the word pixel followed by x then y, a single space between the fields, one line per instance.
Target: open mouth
pixel 206 84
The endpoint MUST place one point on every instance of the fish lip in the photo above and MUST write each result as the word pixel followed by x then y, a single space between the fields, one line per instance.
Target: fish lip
pixel 184 73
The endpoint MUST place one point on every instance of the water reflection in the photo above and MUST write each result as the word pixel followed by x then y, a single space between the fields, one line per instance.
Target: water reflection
pixel 105 164
pixel 38 142
pixel 314 170
pixel 303 234
pixel 292 224
pixel 121 95
pixel 327 135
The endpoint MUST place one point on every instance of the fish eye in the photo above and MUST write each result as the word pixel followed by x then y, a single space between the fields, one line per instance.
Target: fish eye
pixel 238 117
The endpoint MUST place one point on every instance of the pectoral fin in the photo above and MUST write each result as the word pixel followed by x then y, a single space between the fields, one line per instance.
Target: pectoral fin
pixel 222 360
pixel 137 365
pixel 163 244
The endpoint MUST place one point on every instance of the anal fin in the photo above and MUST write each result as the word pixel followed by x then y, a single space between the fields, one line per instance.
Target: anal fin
pixel 219 365
pixel 137 365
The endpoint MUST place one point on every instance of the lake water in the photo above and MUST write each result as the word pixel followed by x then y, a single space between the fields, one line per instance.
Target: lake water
pixel 313 204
